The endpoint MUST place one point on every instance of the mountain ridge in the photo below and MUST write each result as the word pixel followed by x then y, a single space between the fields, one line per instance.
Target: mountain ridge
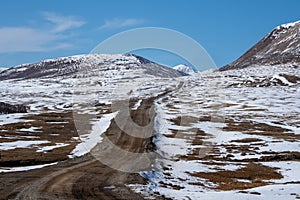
pixel 68 66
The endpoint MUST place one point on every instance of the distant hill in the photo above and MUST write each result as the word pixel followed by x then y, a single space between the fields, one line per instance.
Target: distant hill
pixel 185 69
pixel 89 64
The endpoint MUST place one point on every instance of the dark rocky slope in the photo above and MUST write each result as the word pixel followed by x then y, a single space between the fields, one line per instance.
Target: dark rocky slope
pixel 6 108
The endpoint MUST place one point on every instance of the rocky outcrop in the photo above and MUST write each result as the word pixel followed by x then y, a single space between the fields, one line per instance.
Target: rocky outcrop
pixel 6 108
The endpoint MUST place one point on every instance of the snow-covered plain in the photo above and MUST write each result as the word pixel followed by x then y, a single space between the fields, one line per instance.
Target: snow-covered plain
pixel 225 97
pixel 206 116
pixel 99 81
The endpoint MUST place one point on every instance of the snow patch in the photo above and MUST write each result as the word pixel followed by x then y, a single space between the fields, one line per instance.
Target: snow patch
pixel 88 142
pixel 282 79
pixel 288 25
pixel 49 148
pixel 21 144
pixel 26 168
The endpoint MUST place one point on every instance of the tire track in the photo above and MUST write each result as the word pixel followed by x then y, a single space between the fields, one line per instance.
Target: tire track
pixel 86 177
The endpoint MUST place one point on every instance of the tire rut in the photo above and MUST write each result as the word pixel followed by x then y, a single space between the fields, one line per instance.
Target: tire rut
pixel 90 178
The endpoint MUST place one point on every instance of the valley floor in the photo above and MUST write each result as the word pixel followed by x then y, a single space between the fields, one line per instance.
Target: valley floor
pixel 214 135
pixel 81 178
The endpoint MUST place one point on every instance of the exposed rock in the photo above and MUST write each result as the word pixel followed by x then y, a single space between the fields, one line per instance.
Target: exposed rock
pixel 6 108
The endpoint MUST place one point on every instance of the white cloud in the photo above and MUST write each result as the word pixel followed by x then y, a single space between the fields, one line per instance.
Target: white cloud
pixel 27 39
pixel 20 39
pixel 120 23
pixel 63 23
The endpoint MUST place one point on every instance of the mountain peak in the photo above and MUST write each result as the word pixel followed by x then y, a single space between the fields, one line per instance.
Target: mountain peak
pixel 288 25
pixel 185 69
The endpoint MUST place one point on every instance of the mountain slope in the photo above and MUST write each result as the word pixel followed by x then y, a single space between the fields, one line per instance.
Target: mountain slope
pixel 69 66
pixel 281 46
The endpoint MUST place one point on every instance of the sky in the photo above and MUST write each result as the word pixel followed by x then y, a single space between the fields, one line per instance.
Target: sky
pixel 35 30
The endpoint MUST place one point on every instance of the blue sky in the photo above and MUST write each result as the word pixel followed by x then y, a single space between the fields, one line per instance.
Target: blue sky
pixel 31 31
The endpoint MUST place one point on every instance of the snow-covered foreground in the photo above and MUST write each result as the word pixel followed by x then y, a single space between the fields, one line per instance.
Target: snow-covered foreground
pixel 216 123
pixel 240 125
pixel 86 97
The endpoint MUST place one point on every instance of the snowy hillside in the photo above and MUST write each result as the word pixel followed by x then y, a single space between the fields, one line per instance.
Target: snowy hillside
pixel 185 69
pixel 281 46
pixel 217 135
pixel 91 63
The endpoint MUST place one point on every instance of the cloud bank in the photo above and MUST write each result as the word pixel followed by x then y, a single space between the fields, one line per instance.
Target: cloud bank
pixel 28 39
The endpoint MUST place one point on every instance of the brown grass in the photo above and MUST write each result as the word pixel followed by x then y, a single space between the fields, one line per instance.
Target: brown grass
pixel 247 140
pixel 253 128
pixel 255 174
pixel 175 187
pixel 60 132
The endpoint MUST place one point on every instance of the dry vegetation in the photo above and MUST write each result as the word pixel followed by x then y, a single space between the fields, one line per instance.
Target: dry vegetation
pixel 250 176
pixel 53 127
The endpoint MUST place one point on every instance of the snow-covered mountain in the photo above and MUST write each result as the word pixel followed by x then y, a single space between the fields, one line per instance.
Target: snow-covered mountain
pixel 201 154
pixel 185 69
pixel 281 46
pixel 90 64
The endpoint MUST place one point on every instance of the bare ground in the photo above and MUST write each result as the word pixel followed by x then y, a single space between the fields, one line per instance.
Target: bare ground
pixel 85 177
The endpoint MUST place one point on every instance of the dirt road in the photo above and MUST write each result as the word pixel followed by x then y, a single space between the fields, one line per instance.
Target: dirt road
pixel 87 177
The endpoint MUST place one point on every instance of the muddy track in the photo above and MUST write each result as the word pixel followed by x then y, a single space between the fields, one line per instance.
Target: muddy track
pixel 87 177
pixel 34 190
